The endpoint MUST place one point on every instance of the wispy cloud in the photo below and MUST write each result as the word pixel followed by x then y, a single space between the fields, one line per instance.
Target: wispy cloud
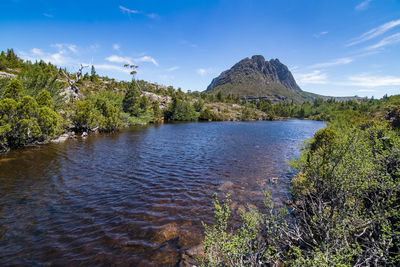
pixel 390 40
pixel 123 60
pixel 112 68
pixel 172 68
pixel 366 90
pixel 363 5
pixel 48 15
pixel 94 47
pixel 63 48
pixel 147 59
pixel 64 55
pixel 37 51
pixel 205 71
pixel 375 32
pixel 185 42
pixel 317 35
pixel 116 47
pixel 372 81
pixel 132 11
pixel 118 59
pixel 129 11
pixel 335 62
pixel 315 77
pixel 152 15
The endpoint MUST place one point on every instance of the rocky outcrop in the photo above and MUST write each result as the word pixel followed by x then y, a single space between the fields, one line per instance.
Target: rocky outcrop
pixel 263 72
pixel 257 78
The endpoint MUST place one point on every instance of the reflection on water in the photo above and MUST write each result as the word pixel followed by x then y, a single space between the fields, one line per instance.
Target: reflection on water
pixel 137 197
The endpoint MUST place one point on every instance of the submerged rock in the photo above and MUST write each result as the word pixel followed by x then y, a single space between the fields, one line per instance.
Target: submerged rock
pixel 225 186
pixel 191 256
pixel 166 233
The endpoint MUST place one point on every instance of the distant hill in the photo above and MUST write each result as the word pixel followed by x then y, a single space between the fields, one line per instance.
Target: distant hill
pixel 256 78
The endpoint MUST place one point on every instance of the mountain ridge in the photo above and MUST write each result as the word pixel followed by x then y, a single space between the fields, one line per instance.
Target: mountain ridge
pixel 255 78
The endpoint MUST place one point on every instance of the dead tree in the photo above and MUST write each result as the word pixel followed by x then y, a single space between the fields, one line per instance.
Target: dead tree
pixel 72 83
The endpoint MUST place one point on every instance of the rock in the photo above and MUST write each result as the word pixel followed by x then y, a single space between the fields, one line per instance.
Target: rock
pixel 84 134
pixel 167 255
pixel 195 251
pixel 61 138
pixel 165 233
pixel 190 256
pixel 257 78
pixel 225 186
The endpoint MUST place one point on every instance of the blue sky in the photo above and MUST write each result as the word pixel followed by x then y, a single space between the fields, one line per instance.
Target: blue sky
pixel 342 47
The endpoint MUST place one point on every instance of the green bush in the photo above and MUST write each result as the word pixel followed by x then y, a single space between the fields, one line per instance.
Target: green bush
pixel 180 110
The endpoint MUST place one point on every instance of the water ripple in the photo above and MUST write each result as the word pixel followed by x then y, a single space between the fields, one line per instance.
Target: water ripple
pixel 137 197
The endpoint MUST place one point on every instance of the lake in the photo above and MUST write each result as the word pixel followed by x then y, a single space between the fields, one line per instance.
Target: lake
pixel 138 197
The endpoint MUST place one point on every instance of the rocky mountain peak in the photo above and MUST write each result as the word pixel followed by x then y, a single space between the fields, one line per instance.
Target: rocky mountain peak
pixel 255 77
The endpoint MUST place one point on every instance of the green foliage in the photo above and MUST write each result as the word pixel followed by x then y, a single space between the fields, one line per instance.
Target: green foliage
pixel 42 76
pixel 157 113
pixel 48 121
pixel 347 193
pixel 9 60
pixel 13 89
pixel 44 99
pixel 130 101
pixel 198 105
pixel 180 110
pixel 256 242
pixel 23 121
pixel 112 116
pixel 345 196
pixel 84 116
pixel 207 115
pixel 220 97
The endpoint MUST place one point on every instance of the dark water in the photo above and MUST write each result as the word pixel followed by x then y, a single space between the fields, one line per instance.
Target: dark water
pixel 137 197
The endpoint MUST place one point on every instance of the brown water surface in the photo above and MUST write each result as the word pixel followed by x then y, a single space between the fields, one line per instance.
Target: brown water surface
pixel 137 197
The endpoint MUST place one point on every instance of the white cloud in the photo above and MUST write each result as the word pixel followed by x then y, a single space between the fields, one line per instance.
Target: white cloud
pixel 64 55
pixel 123 60
pixel 173 68
pixel 203 71
pixel 112 68
pixel 185 42
pixel 37 51
pixel 94 47
pixel 58 58
pixel 118 59
pixel 372 81
pixel 315 77
pixel 375 32
pixel 366 90
pixel 147 59
pixel 152 15
pixel 116 47
pixel 317 35
pixel 127 10
pixel 65 48
pixel 336 62
pixel 363 5
pixel 390 40
pixel 48 15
